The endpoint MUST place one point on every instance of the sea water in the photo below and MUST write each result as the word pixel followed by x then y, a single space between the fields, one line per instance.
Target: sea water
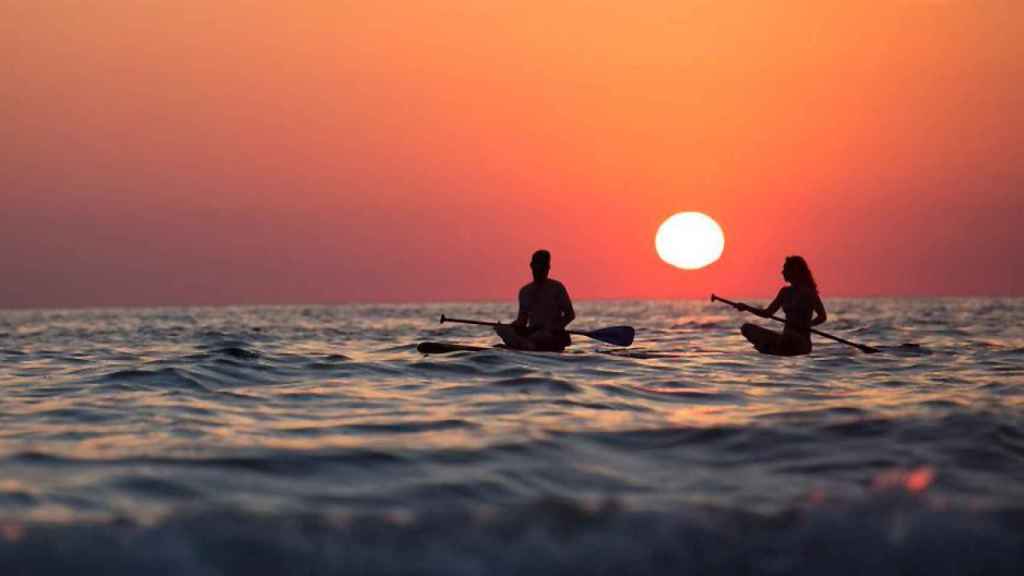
pixel 316 440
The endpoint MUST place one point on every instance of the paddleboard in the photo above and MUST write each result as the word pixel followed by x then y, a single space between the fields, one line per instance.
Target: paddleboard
pixel 445 347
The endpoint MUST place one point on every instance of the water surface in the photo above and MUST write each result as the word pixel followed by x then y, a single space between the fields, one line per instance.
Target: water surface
pixel 215 440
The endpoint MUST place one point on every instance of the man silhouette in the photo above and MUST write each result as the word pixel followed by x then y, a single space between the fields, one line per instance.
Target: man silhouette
pixel 544 311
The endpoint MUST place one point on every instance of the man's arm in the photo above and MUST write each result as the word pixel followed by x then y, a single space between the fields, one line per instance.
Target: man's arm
pixel 565 305
pixel 523 316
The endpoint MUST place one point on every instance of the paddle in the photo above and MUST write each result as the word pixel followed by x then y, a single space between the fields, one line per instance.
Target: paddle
pixel 862 347
pixel 616 335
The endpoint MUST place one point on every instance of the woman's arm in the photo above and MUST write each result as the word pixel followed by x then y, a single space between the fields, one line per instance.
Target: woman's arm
pixel 819 311
pixel 765 312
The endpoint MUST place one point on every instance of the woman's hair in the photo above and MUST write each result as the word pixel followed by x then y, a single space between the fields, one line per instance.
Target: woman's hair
pixel 800 273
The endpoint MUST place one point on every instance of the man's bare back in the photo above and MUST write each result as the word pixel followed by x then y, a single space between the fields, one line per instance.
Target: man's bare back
pixel 545 309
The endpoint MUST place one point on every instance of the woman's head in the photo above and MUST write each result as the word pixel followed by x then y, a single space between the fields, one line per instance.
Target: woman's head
pixel 797 273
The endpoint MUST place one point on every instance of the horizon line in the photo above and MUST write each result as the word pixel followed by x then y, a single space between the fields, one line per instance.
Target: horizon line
pixel 359 302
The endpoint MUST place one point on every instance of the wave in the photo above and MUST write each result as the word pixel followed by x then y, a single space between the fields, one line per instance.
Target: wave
pixel 238 352
pixel 886 534
pixel 537 383
pixel 167 378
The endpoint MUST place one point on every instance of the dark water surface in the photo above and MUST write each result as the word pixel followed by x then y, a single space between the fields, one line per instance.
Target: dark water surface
pixel 317 440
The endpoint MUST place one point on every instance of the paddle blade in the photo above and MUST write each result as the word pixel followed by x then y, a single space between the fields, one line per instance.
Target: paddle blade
pixel 616 335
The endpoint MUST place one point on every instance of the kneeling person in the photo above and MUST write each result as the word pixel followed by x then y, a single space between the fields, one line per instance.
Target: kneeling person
pixel 544 311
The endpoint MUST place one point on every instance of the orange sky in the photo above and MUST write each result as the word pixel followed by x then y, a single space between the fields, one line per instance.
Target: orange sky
pixel 193 152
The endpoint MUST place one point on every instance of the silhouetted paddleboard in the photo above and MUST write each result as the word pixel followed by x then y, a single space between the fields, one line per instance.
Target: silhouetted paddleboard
pixel 446 347
pixel 639 354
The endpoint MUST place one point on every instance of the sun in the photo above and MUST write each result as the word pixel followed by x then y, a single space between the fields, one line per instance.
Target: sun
pixel 689 240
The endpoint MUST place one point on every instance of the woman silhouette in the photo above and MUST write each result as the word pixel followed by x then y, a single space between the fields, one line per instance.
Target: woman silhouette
pixel 800 301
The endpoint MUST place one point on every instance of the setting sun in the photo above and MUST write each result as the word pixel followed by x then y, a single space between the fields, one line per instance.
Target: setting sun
pixel 689 240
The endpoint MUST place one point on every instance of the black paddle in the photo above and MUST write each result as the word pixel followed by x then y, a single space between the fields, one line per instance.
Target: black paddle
pixel 616 335
pixel 862 347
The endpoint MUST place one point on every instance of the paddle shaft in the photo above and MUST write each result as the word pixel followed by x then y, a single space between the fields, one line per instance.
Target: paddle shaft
pixel 862 347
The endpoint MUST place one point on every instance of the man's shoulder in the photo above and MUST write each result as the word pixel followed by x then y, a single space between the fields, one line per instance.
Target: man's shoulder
pixel 549 283
pixel 527 291
pixel 558 289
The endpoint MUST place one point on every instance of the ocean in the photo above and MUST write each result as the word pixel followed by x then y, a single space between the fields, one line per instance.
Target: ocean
pixel 316 440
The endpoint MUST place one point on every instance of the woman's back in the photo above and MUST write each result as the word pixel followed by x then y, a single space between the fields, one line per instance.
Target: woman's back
pixel 798 304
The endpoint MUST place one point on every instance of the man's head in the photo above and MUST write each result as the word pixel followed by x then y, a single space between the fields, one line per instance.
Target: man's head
pixel 540 264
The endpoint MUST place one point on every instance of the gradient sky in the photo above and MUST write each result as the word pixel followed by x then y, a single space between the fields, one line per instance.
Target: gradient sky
pixel 191 152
